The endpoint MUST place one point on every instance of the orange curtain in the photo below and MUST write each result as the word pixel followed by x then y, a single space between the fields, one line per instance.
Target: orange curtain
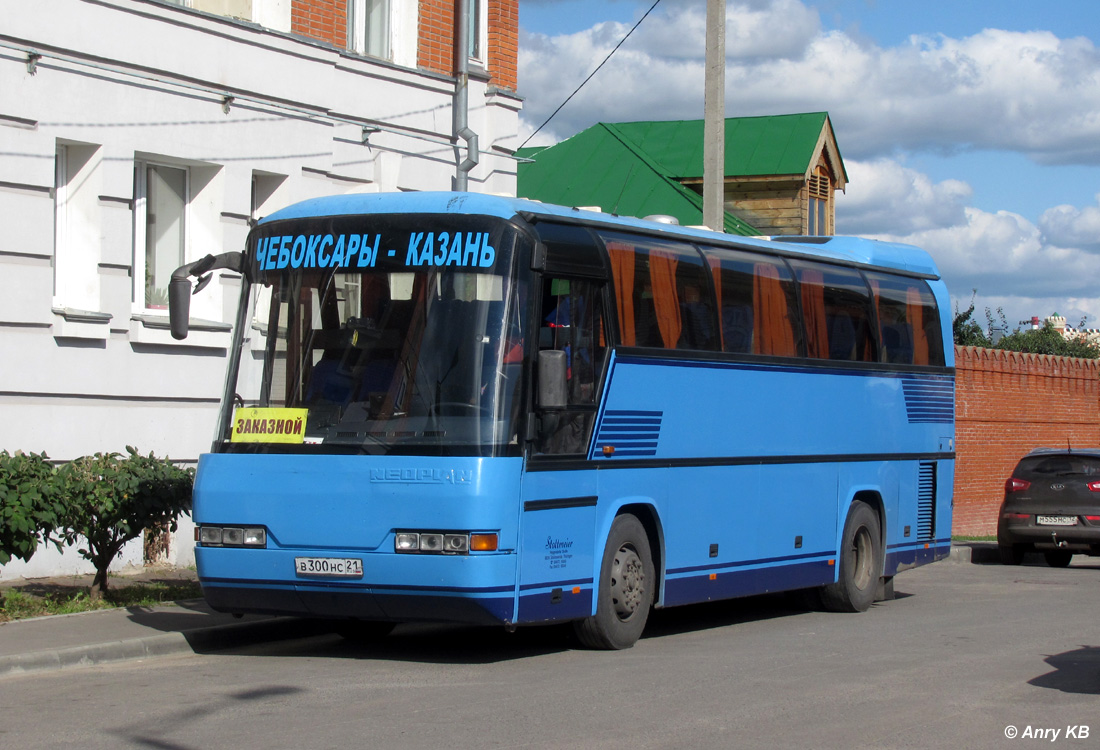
pixel 716 274
pixel 622 268
pixel 813 312
pixel 772 332
pixel 666 303
pixel 914 316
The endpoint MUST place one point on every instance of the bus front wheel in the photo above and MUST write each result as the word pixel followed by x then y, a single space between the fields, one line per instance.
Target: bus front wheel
pixel 860 563
pixel 625 590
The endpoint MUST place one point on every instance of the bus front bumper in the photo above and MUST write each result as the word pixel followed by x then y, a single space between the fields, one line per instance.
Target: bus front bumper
pixel 476 589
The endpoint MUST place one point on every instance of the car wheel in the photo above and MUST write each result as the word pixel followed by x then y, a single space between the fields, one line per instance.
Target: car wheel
pixel 1058 558
pixel 1010 554
pixel 860 563
pixel 626 587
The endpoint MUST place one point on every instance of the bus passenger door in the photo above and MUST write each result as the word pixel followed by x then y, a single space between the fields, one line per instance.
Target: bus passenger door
pixel 559 491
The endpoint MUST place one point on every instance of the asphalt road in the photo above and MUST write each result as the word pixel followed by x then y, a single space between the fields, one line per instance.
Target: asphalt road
pixel 966 656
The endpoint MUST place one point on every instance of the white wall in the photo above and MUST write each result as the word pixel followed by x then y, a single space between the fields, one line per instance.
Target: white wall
pixel 83 366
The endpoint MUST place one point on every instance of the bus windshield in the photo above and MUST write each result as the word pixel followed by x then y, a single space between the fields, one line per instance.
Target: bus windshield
pixel 390 349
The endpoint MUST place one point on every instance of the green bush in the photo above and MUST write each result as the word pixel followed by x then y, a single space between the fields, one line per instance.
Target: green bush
pixel 110 499
pixel 30 505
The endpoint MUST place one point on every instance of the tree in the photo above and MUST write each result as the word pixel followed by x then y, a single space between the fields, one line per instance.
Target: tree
pixel 1048 340
pixel 111 499
pixel 29 504
pixel 966 330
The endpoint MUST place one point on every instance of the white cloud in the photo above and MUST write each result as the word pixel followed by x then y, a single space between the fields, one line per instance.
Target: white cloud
pixel 1005 257
pixel 885 197
pixel 1030 92
pixel 1069 226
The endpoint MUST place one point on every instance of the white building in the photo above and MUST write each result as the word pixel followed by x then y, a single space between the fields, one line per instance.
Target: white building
pixel 136 135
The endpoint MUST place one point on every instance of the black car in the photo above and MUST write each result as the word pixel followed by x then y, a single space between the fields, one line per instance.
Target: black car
pixel 1051 505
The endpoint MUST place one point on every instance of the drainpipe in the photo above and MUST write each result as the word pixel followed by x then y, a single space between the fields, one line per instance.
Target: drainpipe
pixel 461 101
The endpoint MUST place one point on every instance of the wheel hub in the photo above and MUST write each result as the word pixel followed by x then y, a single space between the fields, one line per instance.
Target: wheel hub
pixel 627 582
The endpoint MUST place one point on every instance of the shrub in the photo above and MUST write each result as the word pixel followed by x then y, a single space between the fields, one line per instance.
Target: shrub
pixel 30 505
pixel 110 499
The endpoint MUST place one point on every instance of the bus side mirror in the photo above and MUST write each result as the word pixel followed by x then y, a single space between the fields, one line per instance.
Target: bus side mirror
pixel 179 306
pixel 552 379
pixel 179 287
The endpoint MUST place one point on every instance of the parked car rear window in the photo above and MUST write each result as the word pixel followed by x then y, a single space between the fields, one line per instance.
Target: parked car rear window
pixel 1059 466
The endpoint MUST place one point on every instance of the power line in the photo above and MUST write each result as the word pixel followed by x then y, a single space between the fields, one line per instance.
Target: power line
pixel 594 72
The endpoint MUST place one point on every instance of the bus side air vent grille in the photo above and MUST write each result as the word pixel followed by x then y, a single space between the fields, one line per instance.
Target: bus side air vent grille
pixel 630 433
pixel 926 501
pixel 929 400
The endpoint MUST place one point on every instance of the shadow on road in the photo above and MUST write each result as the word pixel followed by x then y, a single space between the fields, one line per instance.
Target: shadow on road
pixel 457 644
pixel 1076 671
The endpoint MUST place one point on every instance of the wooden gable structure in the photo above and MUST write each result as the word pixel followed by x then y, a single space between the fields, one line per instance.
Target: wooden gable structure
pixel 782 172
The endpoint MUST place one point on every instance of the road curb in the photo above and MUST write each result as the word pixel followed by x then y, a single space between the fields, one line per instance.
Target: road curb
pixel 199 640
pixel 977 553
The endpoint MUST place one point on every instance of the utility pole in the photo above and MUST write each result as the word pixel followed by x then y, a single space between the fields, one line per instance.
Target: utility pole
pixel 714 117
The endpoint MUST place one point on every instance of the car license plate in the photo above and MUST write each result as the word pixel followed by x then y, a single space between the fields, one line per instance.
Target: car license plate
pixel 1056 520
pixel 340 567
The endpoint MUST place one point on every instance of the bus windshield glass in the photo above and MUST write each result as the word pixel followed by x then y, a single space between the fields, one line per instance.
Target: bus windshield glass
pixel 382 336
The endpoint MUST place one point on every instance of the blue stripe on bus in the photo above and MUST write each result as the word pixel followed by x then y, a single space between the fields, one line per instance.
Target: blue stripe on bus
pixel 747 582
pixel 556 584
pixel 745 563
pixel 365 587
pixel 543 607
pixel 859 369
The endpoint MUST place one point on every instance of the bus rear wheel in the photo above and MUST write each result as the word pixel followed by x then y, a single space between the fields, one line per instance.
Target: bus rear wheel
pixel 860 563
pixel 625 590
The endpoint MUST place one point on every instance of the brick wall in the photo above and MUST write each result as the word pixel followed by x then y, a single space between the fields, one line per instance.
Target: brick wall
pixel 326 21
pixel 437 32
pixel 1006 404
pixel 504 42
pixel 323 20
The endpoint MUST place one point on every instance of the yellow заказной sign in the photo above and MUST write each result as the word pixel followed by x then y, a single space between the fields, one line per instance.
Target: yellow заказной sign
pixel 255 425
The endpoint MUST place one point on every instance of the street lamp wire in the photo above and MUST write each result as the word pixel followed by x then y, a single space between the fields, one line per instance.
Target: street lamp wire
pixel 594 72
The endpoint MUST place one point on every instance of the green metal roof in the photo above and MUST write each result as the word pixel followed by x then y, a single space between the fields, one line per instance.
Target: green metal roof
pixel 597 167
pixel 634 168
pixel 775 145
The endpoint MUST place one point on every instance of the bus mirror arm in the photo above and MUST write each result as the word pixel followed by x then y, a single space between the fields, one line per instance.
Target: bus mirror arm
pixel 180 291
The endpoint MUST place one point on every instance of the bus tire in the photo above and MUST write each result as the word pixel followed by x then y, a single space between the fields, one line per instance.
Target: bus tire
pixel 860 563
pixel 624 594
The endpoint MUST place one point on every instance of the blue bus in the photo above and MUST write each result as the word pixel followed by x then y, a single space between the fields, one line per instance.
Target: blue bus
pixel 466 408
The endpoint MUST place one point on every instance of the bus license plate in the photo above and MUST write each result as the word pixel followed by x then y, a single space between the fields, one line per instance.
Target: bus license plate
pixel 340 567
pixel 1056 520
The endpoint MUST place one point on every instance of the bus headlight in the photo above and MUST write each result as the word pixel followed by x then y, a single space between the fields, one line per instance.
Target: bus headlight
pixel 231 536
pixel 444 542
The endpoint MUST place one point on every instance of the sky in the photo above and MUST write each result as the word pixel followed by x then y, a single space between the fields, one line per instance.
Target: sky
pixel 970 129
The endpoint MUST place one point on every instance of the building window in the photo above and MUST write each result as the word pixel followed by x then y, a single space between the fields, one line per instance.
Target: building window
pixel 818 189
pixel 60 207
pixel 369 27
pixel 476 26
pixel 160 232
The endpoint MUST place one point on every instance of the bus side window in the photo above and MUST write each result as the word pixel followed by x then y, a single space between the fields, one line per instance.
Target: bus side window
pixel 909 321
pixel 837 314
pixel 661 294
pixel 758 313
pixel 572 323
